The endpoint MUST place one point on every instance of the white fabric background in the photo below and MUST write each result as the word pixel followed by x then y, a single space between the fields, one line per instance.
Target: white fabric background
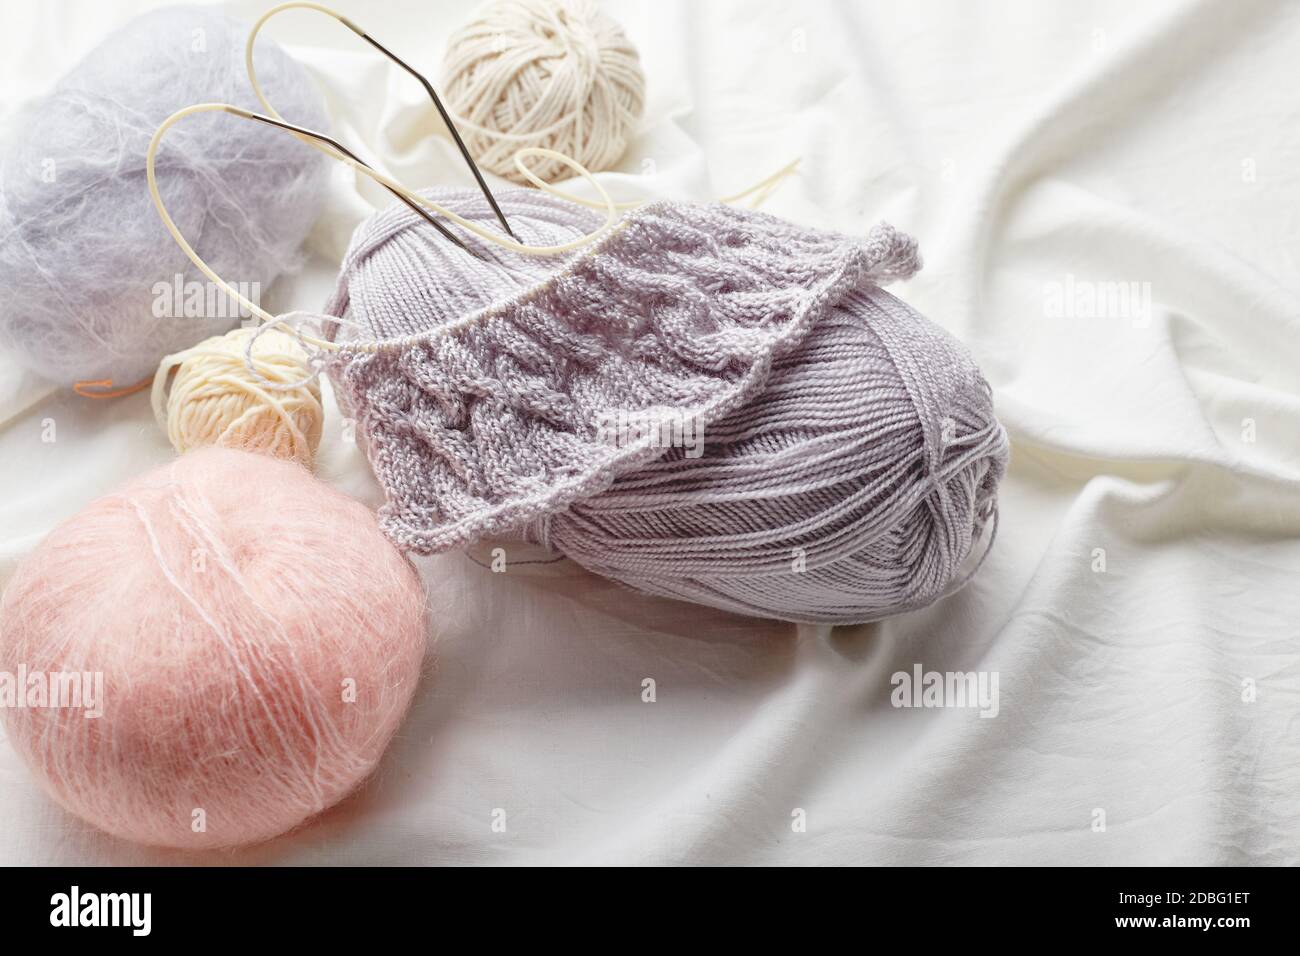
pixel 1021 142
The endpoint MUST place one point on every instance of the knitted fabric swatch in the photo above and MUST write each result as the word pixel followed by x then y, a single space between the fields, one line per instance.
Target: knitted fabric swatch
pixel 847 459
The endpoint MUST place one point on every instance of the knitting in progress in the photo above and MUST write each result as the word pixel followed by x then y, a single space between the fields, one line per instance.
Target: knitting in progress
pixel 847 459
pixel 701 402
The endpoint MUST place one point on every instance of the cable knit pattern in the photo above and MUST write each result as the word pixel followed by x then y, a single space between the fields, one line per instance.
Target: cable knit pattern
pixel 848 458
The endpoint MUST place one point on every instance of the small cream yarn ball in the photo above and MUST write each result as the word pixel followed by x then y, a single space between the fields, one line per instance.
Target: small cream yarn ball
pixel 214 399
pixel 553 73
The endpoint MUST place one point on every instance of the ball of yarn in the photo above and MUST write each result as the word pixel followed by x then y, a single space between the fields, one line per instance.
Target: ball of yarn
pixel 553 73
pixel 95 288
pixel 257 640
pixel 852 475
pixel 846 491
pixel 208 395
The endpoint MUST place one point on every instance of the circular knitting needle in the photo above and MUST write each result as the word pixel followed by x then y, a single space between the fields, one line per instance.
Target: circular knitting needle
pixel 455 134
pixel 428 88
pixel 301 131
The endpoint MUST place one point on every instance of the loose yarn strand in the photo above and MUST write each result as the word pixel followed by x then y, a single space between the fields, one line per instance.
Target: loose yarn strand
pixel 102 388
pixel 763 188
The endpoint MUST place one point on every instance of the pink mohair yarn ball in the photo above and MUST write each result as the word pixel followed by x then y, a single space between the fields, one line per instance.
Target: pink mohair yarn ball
pixel 259 641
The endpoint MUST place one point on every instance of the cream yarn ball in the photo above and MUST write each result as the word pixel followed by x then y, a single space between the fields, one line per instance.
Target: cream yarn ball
pixel 215 399
pixel 553 73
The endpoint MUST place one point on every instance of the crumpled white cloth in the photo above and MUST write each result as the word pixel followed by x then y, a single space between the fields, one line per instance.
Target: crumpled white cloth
pixel 1037 151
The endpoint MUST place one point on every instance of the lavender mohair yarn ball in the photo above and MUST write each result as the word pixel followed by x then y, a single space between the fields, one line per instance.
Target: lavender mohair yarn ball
pixel 84 258
pixel 833 456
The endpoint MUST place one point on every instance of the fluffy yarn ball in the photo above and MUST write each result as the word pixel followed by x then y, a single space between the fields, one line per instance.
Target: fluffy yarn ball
pixel 208 395
pixel 258 640
pixel 87 268
pixel 858 480
pixel 554 73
